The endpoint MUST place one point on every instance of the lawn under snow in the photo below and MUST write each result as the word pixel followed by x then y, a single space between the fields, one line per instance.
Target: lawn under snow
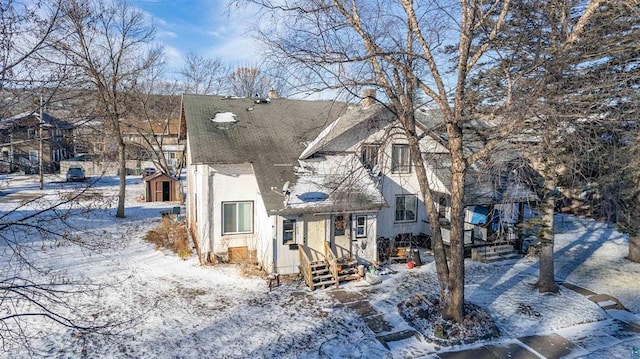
pixel 173 308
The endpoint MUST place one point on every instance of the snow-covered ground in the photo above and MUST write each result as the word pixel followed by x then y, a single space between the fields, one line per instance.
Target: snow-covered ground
pixel 172 308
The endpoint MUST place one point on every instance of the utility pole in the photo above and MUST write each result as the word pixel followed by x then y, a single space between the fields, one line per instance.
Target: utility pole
pixel 40 157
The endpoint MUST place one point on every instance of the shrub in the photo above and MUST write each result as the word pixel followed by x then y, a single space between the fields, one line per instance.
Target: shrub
pixel 170 235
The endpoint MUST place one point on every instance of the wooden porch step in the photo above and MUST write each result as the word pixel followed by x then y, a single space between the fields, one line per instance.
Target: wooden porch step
pixel 320 272
pixel 324 284
pixel 351 264
pixel 348 277
pixel 318 264
pixel 322 277
pixel 349 271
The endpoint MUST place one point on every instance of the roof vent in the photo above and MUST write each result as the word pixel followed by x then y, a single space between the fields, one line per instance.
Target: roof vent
pixel 273 94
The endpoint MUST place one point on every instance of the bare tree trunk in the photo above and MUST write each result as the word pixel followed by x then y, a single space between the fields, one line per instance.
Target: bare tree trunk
pixel 634 248
pixel 546 280
pixel 440 256
pixel 123 177
pixel 455 310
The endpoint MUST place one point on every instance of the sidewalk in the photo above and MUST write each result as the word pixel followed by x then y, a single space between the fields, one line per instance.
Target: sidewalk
pixel 617 337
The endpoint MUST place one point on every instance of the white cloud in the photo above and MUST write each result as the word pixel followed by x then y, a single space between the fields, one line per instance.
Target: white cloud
pixel 166 34
pixel 173 56
pixel 237 50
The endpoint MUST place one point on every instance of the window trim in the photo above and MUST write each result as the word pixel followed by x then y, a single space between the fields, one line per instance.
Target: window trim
pixel 366 152
pixel 34 157
pixel 400 167
pixel 415 209
pixel 236 214
pixel 364 226
pixel 292 231
pixel 339 225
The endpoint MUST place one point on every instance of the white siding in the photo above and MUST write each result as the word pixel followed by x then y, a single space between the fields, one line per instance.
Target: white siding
pixel 210 186
pixel 288 258
pixel 365 249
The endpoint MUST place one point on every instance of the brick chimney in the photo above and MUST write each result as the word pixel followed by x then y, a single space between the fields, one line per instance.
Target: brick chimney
pixel 273 95
pixel 368 97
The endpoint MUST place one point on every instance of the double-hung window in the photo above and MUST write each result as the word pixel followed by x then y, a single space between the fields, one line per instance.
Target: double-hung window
pixel 237 217
pixel 33 157
pixel 289 231
pixel 406 207
pixel 361 226
pixel 369 155
pixel 400 159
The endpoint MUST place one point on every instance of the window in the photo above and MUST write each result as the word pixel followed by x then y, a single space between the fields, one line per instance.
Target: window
pixel 289 231
pixel 406 208
pixel 369 155
pixel 237 217
pixel 338 226
pixel 400 161
pixel 361 226
pixel 442 207
pixel 33 156
pixel 31 133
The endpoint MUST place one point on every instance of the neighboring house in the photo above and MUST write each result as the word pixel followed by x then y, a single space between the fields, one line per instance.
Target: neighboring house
pixel 20 142
pixel 89 139
pixel 159 137
pixel 285 182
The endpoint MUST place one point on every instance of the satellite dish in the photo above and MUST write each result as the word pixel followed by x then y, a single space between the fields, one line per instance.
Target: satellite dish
pixel 285 187
pixel 376 170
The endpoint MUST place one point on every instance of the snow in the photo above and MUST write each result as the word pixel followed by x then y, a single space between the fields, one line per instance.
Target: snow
pixel 224 117
pixel 173 308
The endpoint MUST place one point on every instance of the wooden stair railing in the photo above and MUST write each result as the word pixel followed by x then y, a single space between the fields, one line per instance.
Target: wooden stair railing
pixel 332 260
pixel 305 266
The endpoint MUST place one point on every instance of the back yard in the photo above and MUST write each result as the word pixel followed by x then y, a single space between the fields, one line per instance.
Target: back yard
pixel 162 306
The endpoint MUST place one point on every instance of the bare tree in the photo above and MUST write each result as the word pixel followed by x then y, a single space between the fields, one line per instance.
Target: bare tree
pixel 153 113
pixel 566 75
pixel 29 289
pixel 109 46
pixel 249 81
pixel 203 76
pixel 409 51
pixel 26 27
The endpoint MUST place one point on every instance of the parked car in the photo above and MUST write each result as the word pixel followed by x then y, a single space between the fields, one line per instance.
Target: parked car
pixel 75 173
pixel 148 171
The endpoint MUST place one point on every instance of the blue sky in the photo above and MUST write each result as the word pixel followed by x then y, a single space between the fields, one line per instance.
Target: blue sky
pixel 202 26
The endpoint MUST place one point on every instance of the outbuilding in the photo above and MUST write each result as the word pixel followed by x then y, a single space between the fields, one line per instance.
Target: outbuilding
pixel 160 188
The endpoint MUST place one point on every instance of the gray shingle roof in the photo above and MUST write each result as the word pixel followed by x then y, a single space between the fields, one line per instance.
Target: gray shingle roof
pixel 353 116
pixel 270 136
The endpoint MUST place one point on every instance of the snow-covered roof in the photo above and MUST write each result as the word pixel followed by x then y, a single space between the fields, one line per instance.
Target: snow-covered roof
pixel 334 183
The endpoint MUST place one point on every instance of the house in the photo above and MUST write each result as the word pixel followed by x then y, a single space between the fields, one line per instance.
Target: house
pixel 290 183
pixel 20 142
pixel 154 136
